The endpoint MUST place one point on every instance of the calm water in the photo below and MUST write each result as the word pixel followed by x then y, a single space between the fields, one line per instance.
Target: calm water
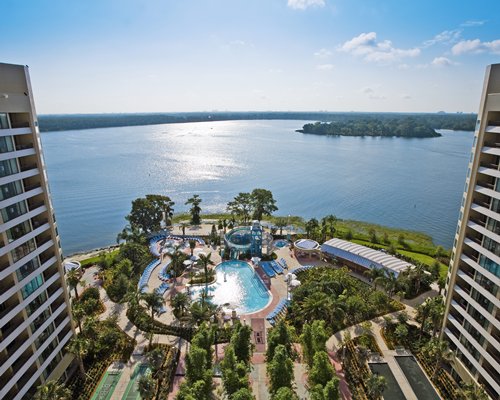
pixel 238 286
pixel 410 183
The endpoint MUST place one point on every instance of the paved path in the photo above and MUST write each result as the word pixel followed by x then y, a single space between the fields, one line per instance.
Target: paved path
pixel 258 377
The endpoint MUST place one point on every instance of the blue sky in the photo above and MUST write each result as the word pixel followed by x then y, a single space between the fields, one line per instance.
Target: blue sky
pixel 198 55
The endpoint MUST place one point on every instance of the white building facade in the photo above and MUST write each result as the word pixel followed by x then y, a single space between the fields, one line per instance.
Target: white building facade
pixel 472 319
pixel 35 320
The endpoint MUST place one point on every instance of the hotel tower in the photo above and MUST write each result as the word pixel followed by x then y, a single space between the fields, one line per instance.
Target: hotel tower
pixel 35 322
pixel 472 319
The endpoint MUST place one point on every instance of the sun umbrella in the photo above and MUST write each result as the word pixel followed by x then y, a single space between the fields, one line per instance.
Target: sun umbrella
pixel 187 263
pixel 255 260
pixel 195 258
pixel 295 283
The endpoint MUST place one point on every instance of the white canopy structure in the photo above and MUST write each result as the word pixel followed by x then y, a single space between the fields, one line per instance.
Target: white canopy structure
pixel 364 256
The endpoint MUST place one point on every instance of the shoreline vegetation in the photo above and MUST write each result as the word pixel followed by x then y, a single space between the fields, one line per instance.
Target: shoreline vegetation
pixel 414 245
pixel 66 122
pixel 393 125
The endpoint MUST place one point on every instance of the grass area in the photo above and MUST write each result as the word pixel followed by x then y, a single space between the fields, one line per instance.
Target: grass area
pixel 422 258
pixel 93 260
pixel 425 259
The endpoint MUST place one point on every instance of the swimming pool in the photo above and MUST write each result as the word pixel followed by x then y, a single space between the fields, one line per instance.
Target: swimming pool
pixel 419 382
pixel 132 391
pixel 237 285
pixel 280 243
pixel 392 391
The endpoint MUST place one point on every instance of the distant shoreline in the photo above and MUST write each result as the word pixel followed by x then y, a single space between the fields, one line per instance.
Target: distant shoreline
pixel 67 122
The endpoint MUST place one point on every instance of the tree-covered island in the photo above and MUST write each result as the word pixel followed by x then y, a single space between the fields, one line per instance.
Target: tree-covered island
pixel 402 125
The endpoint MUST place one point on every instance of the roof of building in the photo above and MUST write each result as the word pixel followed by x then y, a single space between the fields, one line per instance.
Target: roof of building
pixel 306 244
pixel 364 256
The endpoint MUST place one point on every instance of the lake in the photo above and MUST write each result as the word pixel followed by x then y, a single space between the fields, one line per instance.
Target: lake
pixel 94 174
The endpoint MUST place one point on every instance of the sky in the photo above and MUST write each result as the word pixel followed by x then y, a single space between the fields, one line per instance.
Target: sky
pixel 103 56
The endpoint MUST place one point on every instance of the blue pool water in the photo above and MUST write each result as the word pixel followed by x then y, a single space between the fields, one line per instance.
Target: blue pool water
pixel 238 285
pixel 280 243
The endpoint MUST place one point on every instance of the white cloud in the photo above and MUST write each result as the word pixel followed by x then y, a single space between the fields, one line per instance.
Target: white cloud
pixel 323 53
pixel 237 43
pixel 324 67
pixel 367 90
pixel 303 4
pixel 442 62
pixel 366 46
pixel 476 46
pixel 470 23
pixel 445 37
pixel 406 97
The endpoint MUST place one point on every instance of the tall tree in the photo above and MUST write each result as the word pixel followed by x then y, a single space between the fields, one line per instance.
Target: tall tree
pixel 285 393
pixel 376 385
pixel 322 370
pixel 240 340
pixel 375 274
pixel 195 209
pixel 439 352
pixel 79 347
pixel 73 277
pixel 52 390
pixel 280 369
pixel 311 227
pixel 205 261
pixel 180 304
pixel 263 203
pixel 147 213
pixel 241 206
pixel 146 386
pixel 471 391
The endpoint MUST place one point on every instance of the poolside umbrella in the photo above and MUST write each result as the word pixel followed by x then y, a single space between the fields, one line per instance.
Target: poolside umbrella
pixel 255 260
pixel 187 263
pixel 195 258
pixel 294 283
pixel 290 277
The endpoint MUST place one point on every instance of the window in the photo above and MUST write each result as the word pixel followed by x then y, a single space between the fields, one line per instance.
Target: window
pixel 18 231
pixel 4 121
pixel 6 144
pixel 29 288
pixel 8 167
pixel 492 246
pixel 23 250
pixel 10 189
pixel 483 301
pixel 27 269
pixel 38 322
pixel 35 304
pixel 14 211
pixel 44 335
pixel 486 283
pixel 489 265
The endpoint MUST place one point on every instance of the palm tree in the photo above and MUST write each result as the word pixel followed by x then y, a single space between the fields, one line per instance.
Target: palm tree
pixel 281 223
pixel 391 283
pixel 180 304
pixel 437 314
pixel 52 390
pixel 78 314
pixel 318 305
pixel 423 312
pixel 134 295
pixel 205 261
pixel 146 386
pixel 73 278
pixel 376 275
pixel 439 352
pixel 376 385
pixel 177 259
pixel 183 227
pixel 79 347
pixel 192 246
pixel 154 302
pixel 471 391
pixel 129 234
